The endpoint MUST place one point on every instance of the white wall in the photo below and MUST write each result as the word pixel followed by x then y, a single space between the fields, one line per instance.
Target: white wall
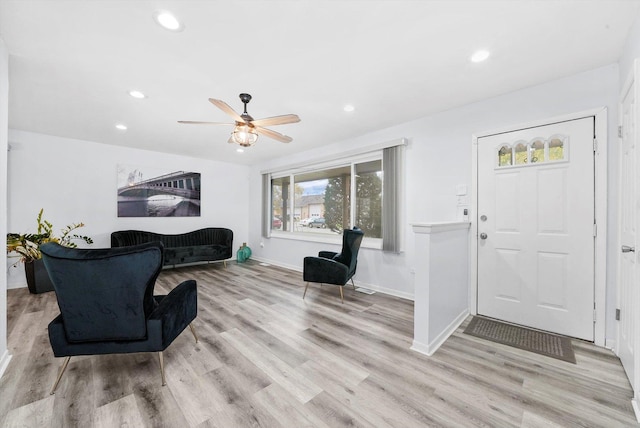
pixel 4 117
pixel 75 181
pixel 630 51
pixel 438 158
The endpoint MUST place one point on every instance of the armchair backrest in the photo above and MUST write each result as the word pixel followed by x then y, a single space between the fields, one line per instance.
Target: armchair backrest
pixel 351 240
pixel 104 294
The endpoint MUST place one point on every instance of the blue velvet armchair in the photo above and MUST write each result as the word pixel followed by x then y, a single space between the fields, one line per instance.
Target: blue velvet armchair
pixel 107 304
pixel 335 268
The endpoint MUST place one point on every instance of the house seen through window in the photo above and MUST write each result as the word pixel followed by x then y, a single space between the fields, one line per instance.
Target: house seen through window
pixel 326 201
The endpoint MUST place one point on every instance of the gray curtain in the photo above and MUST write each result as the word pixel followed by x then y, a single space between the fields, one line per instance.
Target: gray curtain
pixel 266 205
pixel 392 169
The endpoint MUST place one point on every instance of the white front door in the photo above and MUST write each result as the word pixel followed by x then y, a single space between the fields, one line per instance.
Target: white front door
pixel 536 227
pixel 629 294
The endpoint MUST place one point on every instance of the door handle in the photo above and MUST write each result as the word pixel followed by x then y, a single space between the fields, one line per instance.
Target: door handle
pixel 628 249
pixel 483 235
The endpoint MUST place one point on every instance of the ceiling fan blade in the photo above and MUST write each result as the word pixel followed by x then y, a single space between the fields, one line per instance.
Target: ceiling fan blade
pixel 195 122
pixel 273 134
pixel 225 108
pixel 277 120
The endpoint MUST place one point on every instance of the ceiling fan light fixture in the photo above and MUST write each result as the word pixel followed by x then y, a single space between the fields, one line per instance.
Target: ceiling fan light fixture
pixel 137 94
pixel 168 21
pixel 244 135
pixel 480 56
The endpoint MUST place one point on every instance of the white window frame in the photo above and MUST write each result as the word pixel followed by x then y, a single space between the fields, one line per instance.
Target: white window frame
pixel 367 242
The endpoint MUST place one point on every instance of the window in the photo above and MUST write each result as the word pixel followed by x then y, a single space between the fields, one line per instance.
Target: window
pixel 319 202
pixel 521 154
pixel 504 156
pixel 280 202
pixel 368 215
pixel 537 151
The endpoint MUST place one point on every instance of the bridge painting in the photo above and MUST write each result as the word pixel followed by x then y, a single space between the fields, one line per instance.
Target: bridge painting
pixel 173 194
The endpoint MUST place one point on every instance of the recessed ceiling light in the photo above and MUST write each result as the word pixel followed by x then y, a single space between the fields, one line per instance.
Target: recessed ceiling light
pixel 240 150
pixel 121 126
pixel 168 21
pixel 137 94
pixel 480 56
pixel 349 108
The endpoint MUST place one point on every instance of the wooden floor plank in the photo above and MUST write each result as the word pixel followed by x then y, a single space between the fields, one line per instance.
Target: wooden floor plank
pixel 268 358
pixel 122 412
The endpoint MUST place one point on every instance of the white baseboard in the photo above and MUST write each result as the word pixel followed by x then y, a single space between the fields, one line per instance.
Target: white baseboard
pixel 610 344
pixel 636 408
pixel 421 347
pixel 4 362
pixel 384 290
pixel 276 263
pixel 376 288
pixel 434 344
pixel 16 285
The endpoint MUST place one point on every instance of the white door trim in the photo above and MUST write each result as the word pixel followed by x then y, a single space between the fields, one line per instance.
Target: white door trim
pixel 631 82
pixel 600 262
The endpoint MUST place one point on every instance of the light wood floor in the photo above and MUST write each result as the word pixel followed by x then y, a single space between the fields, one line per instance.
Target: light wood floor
pixel 268 358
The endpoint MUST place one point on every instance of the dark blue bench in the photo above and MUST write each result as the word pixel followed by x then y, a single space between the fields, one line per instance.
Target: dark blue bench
pixel 204 245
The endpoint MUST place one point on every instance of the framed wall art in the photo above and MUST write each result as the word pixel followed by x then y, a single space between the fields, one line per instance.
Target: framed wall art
pixel 153 192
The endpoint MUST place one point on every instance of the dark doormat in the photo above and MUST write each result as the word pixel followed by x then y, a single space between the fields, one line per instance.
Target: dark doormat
pixel 542 343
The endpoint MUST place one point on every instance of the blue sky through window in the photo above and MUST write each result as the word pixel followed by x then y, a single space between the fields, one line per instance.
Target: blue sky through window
pixel 315 187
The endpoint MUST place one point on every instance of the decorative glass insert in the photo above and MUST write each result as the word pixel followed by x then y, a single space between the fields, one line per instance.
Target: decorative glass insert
pixel 522 155
pixel 556 149
pixel 537 151
pixel 504 156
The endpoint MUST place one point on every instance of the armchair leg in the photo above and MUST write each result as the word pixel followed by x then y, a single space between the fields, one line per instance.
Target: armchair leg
pixel 354 286
pixel 225 263
pixel 164 381
pixel 305 291
pixel 193 331
pixel 60 373
pixel 341 295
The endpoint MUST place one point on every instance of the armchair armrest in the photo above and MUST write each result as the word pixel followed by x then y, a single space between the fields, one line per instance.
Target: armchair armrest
pixel 175 311
pixel 327 254
pixel 319 269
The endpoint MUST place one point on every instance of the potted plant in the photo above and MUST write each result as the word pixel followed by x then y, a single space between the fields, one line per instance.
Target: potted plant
pixel 28 247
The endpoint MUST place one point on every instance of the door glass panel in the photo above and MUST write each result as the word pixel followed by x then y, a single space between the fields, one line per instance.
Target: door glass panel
pixel 556 149
pixel 521 154
pixel 537 151
pixel 504 156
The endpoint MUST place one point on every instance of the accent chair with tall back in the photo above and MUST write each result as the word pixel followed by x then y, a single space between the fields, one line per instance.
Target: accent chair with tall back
pixel 107 304
pixel 335 268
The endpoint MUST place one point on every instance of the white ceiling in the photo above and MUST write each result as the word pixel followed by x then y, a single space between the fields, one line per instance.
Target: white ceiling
pixel 73 62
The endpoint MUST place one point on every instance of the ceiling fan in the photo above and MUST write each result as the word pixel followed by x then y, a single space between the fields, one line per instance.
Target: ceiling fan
pixel 247 128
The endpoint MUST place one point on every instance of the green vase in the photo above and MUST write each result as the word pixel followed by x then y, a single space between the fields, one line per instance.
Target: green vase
pixel 243 253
